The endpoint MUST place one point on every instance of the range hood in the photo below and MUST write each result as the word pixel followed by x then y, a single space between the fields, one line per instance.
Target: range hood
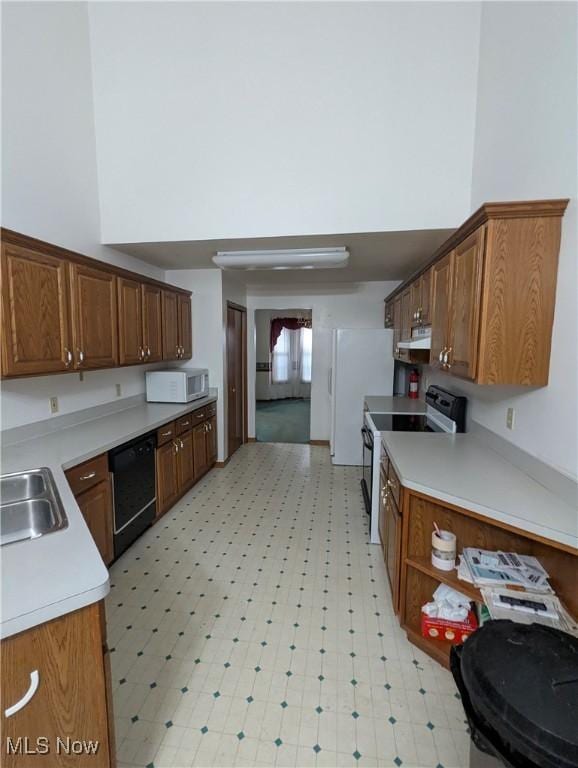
pixel 420 339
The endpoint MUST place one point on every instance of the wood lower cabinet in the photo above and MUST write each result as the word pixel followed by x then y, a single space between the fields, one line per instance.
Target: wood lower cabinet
pixel 419 578
pixel 152 323
pixel 392 547
pixel 130 322
pixel 90 483
pixel 63 664
pixel 35 317
pixel 185 461
pixel 167 477
pixel 187 449
pixel 200 449
pixel 96 507
pixel 211 439
pixel 94 317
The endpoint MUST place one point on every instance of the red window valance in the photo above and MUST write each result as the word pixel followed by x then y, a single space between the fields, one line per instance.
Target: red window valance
pixel 291 323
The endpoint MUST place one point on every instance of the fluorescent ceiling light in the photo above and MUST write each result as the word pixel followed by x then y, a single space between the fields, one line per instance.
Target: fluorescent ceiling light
pixel 287 258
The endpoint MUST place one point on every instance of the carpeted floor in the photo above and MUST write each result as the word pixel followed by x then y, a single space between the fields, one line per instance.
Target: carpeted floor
pixel 282 421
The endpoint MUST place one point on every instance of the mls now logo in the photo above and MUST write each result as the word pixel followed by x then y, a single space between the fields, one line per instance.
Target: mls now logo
pixel 23 745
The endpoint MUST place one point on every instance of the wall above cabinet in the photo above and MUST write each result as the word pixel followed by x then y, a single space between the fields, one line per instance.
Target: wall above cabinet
pixel 62 311
pixel 489 293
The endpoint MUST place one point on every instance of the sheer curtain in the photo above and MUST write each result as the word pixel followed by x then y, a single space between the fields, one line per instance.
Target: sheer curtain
pixel 291 363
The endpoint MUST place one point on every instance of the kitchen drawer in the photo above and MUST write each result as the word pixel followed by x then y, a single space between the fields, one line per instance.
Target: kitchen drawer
pixel 199 415
pixel 394 485
pixel 165 433
pixel 184 423
pixel 211 410
pixel 87 474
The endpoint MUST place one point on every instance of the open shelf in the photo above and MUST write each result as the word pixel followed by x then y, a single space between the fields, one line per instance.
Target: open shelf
pixel 423 564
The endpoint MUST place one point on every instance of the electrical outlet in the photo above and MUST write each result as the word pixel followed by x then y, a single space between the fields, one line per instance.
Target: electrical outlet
pixel 510 418
pixel 53 404
pixel 81 375
pixel 118 390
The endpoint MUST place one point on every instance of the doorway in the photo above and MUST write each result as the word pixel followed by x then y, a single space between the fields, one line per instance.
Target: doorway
pixel 284 347
pixel 236 353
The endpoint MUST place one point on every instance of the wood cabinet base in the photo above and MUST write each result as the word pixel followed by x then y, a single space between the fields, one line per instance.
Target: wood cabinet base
pixel 68 719
pixel 419 579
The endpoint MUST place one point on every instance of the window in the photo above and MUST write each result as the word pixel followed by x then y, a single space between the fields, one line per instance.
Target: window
pixel 281 358
pixel 306 349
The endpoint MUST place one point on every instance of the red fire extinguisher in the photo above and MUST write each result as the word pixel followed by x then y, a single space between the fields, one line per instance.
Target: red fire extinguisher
pixel 414 384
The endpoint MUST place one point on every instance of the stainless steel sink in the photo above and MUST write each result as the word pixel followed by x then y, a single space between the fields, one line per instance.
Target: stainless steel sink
pixel 30 506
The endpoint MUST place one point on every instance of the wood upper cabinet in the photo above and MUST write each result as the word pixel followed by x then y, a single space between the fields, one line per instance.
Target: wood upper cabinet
pixel 388 317
pixel 518 298
pixel 167 476
pixel 465 295
pixel 441 287
pixel 406 315
pixel 94 317
pixel 66 660
pixel 152 323
pixel 35 316
pixel 425 308
pixel 170 321
pixel 185 327
pixel 130 322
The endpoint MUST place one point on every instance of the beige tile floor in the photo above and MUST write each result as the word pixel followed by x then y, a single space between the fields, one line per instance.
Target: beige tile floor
pixel 253 627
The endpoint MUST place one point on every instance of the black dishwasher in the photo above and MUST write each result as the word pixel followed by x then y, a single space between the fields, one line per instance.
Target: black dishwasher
pixel 133 481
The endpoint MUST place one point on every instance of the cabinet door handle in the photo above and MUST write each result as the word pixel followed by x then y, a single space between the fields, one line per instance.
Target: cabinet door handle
pixel 88 477
pixel 68 355
pixel 34 682
pixel 80 356
pixel 441 355
pixel 175 444
pixel 148 351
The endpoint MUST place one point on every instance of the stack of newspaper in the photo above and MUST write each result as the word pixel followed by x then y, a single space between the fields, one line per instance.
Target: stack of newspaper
pixel 492 569
pixel 515 587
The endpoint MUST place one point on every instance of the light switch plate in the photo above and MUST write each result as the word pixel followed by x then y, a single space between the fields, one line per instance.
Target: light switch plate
pixel 118 390
pixel 510 418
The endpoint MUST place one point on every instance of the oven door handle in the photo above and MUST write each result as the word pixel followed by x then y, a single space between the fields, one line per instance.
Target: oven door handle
pixel 368 443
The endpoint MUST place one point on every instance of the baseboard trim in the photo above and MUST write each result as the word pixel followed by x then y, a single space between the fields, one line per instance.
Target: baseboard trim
pixel 251 439
pixel 321 443
pixel 221 464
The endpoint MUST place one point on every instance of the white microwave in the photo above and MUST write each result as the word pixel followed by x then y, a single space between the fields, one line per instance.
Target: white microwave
pixel 178 385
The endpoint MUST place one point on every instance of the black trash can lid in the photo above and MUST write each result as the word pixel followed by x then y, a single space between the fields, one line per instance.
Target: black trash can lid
pixel 522 680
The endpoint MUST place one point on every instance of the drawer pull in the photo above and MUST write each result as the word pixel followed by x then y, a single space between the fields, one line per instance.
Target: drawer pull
pixel 167 434
pixel 185 423
pixel 34 681
pixel 88 477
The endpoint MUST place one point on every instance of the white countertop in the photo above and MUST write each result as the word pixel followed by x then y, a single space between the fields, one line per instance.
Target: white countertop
pixel 60 572
pixel 394 404
pixel 461 470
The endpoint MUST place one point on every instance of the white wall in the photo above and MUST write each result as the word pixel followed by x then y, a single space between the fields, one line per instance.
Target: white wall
pixel 355 305
pixel 525 148
pixel 49 179
pixel 218 120
pixel 208 332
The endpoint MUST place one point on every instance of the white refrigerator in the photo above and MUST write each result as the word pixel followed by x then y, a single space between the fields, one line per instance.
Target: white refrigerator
pixel 362 364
